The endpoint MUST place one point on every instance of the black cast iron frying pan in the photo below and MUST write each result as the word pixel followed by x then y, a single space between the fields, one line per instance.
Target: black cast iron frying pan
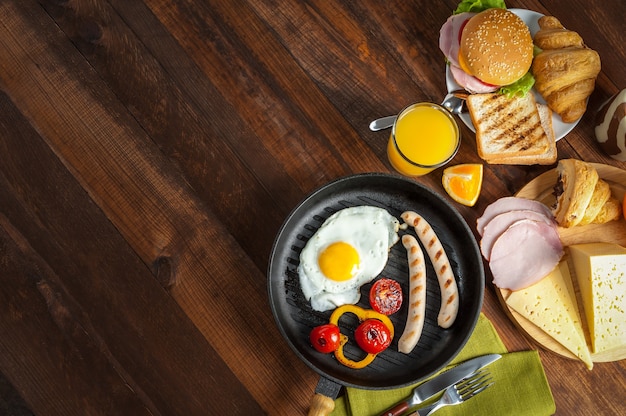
pixel 391 369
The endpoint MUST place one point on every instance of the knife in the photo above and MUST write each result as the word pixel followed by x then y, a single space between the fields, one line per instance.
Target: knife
pixel 441 382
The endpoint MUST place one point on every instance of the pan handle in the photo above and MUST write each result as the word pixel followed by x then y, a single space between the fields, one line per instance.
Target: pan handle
pixel 323 402
pixel 321 405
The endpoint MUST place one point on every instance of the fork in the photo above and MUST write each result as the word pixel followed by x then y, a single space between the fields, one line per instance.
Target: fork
pixel 460 392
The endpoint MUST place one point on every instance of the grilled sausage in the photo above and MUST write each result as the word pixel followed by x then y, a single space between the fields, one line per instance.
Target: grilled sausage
pixel 417 295
pixel 438 257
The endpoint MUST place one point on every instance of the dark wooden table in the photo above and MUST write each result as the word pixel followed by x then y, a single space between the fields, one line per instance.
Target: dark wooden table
pixel 150 151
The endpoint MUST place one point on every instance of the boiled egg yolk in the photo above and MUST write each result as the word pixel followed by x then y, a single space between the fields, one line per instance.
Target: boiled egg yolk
pixel 339 261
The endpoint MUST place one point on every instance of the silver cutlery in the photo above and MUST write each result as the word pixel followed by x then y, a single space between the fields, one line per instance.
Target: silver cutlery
pixel 382 123
pixel 454 102
pixel 459 392
pixel 441 382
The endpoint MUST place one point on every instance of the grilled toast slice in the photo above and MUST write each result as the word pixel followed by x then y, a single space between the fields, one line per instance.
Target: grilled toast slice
pixel 548 158
pixel 510 130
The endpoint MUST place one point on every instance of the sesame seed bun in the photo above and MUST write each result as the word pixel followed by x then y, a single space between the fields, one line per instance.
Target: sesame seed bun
pixel 496 47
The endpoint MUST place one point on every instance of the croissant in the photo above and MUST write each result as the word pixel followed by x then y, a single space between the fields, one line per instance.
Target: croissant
pixel 611 210
pixel 582 196
pixel 601 194
pixel 565 70
pixel 552 35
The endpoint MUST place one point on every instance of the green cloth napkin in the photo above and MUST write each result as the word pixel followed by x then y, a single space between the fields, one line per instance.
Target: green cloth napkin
pixel 520 387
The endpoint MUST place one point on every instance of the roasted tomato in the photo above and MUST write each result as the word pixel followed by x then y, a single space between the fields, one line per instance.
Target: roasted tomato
pixel 386 296
pixel 325 338
pixel 372 336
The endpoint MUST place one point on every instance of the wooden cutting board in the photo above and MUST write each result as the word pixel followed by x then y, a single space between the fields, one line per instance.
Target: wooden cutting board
pixel 541 189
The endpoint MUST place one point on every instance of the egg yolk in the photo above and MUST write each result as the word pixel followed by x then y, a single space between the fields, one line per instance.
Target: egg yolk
pixel 339 261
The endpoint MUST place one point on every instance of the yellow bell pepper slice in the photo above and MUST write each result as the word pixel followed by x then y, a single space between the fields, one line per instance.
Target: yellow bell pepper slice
pixel 362 315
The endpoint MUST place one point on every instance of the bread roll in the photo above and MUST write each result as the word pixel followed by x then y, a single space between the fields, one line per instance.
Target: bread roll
pixel 496 47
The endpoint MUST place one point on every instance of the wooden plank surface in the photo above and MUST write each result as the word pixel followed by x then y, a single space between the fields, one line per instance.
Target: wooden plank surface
pixel 74 266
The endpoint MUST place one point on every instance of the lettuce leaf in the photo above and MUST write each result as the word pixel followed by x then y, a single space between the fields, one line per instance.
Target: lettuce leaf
pixel 476 6
pixel 519 87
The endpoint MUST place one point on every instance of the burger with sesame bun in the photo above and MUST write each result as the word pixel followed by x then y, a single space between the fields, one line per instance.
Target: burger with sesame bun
pixel 488 51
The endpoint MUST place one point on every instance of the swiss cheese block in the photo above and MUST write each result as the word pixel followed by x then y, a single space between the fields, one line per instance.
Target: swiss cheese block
pixel 600 270
pixel 551 305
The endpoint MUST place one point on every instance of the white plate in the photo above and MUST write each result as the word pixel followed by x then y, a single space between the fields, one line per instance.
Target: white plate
pixel 531 19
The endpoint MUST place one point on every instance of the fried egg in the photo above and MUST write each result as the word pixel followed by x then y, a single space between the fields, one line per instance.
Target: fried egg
pixel 349 250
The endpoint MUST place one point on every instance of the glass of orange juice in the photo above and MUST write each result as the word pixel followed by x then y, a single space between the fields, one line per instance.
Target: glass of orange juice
pixel 424 137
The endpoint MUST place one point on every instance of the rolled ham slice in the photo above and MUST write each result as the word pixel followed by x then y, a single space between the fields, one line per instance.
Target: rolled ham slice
pixel 511 203
pixel 524 254
pixel 501 222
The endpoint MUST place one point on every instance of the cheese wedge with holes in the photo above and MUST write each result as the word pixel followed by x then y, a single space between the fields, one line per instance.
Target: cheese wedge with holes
pixel 551 305
pixel 600 270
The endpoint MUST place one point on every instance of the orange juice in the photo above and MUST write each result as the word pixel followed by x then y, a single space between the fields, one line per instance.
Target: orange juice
pixel 424 137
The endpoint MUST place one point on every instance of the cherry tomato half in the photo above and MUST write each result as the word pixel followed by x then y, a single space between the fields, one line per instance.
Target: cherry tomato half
pixel 325 338
pixel 372 336
pixel 386 296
